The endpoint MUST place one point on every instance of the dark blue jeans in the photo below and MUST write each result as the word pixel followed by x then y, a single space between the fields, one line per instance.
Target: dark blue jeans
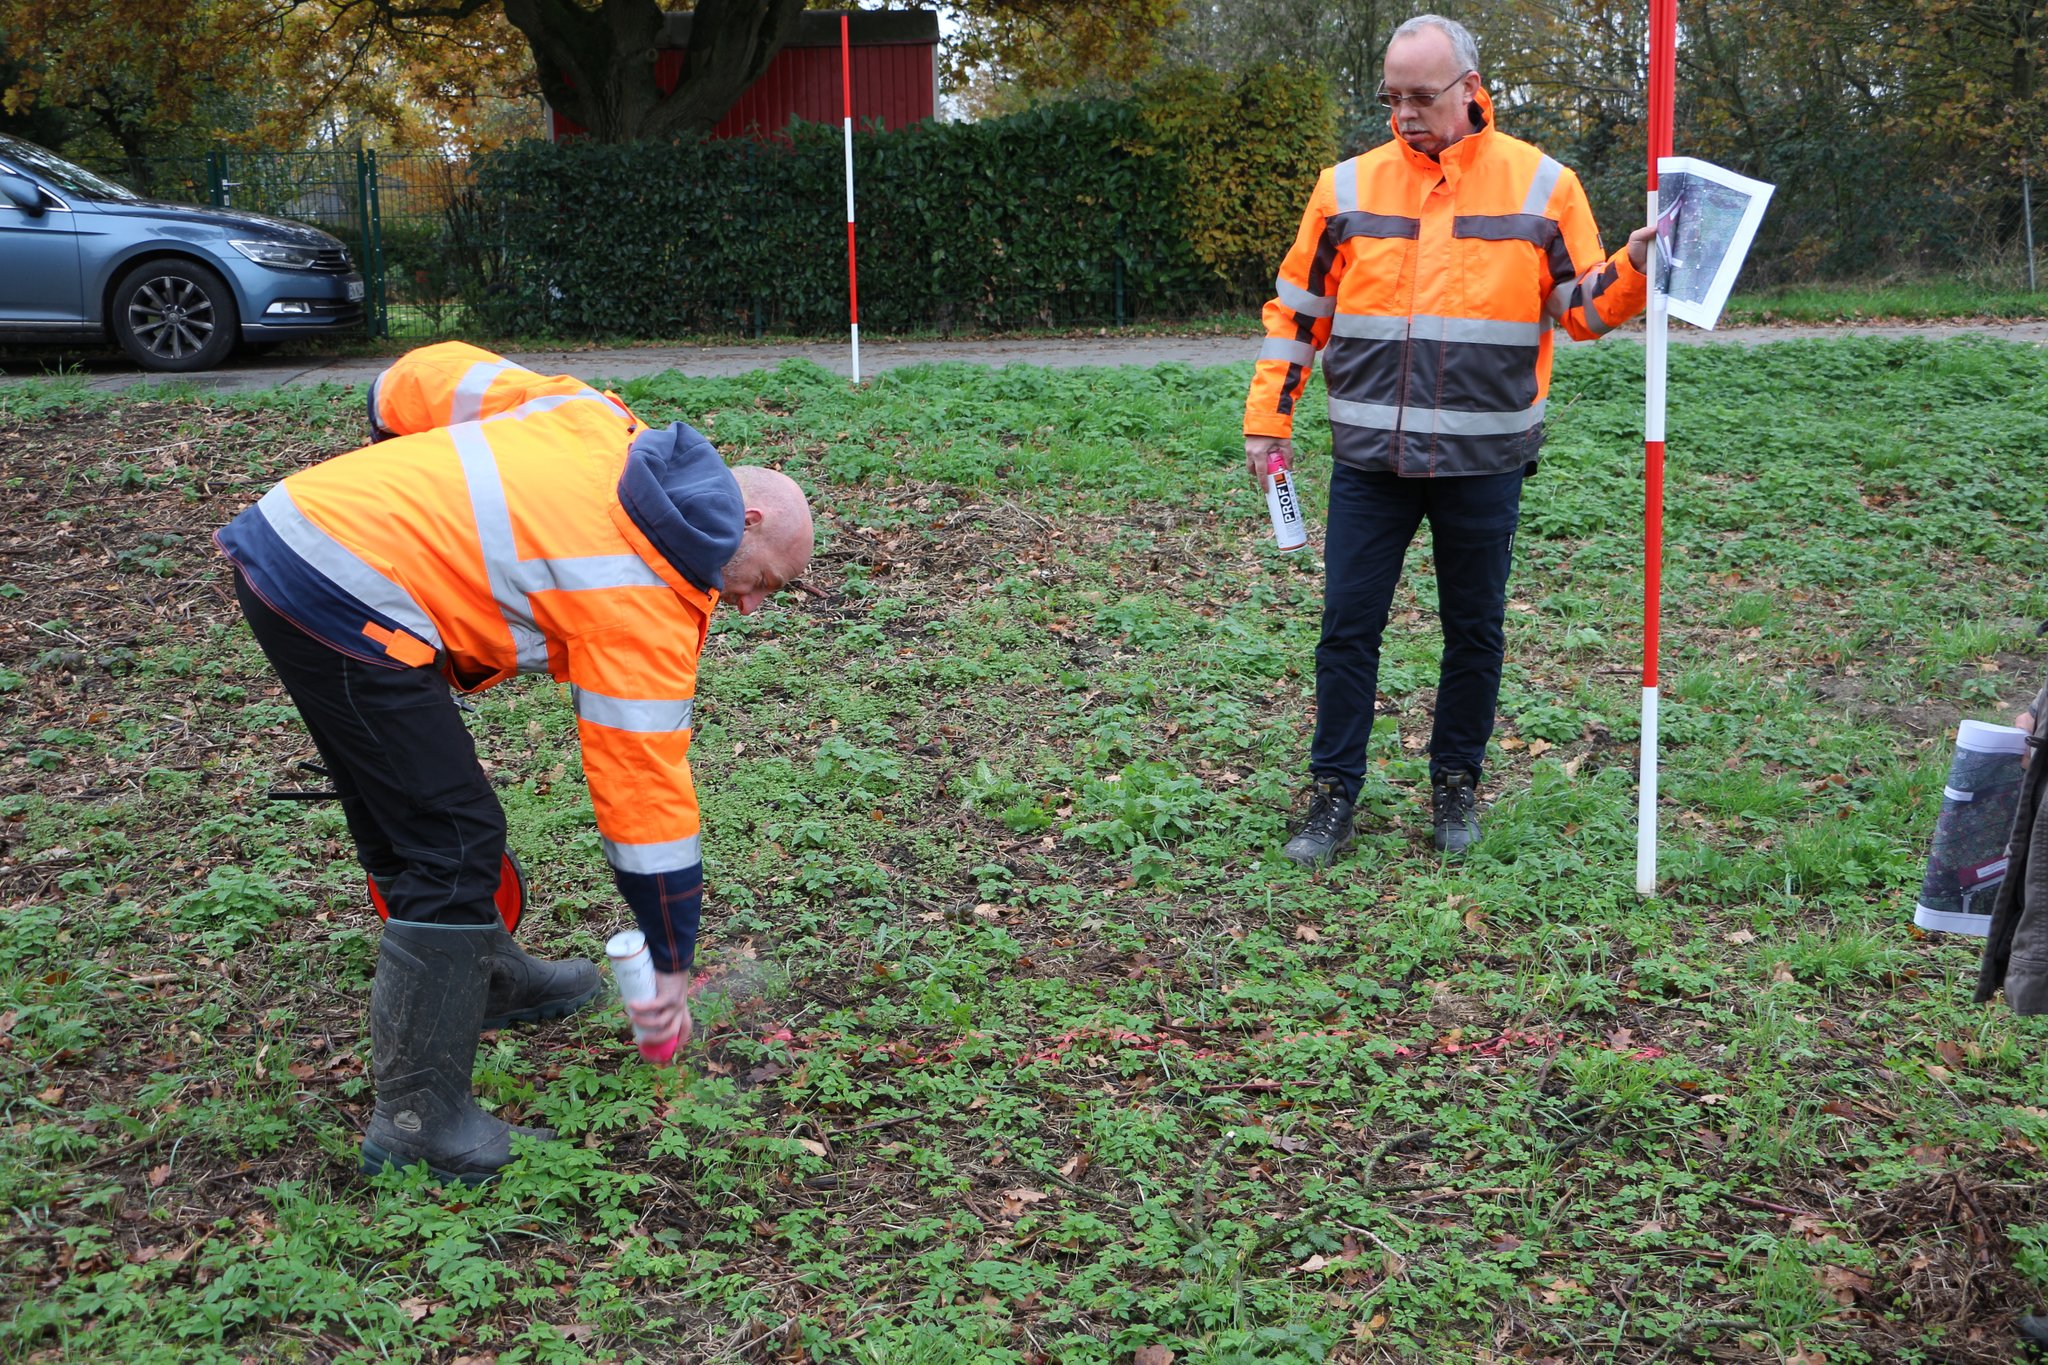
pixel 1373 517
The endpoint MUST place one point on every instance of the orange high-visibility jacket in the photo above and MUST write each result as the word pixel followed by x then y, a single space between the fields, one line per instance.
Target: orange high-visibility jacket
pixel 1423 284
pixel 558 538
pixel 453 381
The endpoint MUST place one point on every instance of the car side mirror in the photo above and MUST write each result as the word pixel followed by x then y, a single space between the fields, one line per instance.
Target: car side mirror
pixel 21 192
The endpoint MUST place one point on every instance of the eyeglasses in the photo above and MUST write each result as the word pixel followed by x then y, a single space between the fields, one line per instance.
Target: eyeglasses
pixel 1423 101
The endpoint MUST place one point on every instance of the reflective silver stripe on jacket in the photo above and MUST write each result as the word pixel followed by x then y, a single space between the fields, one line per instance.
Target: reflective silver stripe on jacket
pixel 533 407
pixel 1428 327
pixel 468 403
pixel 501 553
pixel 1437 421
pixel 341 566
pixel 1301 301
pixel 1293 352
pixel 513 580
pixel 581 573
pixel 640 717
pixel 1543 186
pixel 676 855
pixel 1594 322
pixel 1346 178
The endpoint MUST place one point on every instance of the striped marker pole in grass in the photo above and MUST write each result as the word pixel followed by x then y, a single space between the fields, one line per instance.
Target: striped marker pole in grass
pixel 852 276
pixel 1663 75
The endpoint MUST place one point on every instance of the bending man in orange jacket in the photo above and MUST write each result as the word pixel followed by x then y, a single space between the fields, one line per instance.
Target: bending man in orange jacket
pixel 1429 274
pixel 511 524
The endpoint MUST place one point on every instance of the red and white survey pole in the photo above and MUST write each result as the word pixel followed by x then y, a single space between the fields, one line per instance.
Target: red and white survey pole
pixel 852 276
pixel 1663 75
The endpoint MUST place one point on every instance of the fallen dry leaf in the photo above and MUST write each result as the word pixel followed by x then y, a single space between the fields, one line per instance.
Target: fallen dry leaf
pixel 1152 1355
pixel 813 1146
pixel 1365 1330
pixel 1017 1200
pixel 158 1175
pixel 1842 1283
pixel 1739 936
pixel 1308 933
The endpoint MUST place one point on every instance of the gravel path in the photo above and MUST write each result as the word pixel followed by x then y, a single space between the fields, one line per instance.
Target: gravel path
pixel 620 363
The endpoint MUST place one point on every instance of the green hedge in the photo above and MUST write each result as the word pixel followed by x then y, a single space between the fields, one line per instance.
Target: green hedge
pixel 1070 212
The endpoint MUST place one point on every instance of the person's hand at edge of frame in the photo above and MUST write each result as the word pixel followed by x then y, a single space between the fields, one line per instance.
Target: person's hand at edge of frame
pixel 1259 449
pixel 667 1015
pixel 1639 247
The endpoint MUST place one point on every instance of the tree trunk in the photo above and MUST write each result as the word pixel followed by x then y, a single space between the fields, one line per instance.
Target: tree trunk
pixel 597 66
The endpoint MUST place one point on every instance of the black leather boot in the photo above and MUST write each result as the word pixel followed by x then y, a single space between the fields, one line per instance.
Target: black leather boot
pixel 426 1009
pixel 528 990
pixel 1454 813
pixel 1327 830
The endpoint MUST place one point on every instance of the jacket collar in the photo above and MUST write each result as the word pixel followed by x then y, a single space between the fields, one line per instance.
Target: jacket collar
pixel 1460 154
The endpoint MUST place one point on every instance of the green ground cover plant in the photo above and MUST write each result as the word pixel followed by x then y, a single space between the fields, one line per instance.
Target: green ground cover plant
pixel 1932 299
pixel 1019 1042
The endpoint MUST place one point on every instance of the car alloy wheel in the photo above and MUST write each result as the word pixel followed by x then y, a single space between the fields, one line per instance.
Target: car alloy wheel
pixel 172 317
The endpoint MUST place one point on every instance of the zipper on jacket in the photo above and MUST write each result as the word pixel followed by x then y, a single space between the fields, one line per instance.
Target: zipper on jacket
pixel 1400 434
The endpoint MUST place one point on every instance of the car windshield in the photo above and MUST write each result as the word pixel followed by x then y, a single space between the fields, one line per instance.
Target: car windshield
pixel 61 173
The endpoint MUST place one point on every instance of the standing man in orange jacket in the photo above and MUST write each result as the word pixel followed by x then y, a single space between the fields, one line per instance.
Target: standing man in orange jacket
pixel 1429 273
pixel 510 524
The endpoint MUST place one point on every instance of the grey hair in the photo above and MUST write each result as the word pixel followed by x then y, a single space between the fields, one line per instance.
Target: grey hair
pixel 1463 44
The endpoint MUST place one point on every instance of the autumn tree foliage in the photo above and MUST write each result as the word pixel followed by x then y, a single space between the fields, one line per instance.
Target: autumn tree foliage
pixel 150 77
pixel 283 72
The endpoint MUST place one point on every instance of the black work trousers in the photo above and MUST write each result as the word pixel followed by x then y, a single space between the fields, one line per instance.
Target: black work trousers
pixel 1373 516
pixel 425 821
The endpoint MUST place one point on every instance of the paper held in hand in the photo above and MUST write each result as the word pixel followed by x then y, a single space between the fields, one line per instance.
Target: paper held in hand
pixel 1706 218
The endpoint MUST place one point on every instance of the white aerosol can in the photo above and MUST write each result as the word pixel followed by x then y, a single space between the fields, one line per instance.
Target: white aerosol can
pixel 633 970
pixel 1290 531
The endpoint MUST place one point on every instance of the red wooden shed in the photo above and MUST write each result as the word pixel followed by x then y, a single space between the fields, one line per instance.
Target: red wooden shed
pixel 895 62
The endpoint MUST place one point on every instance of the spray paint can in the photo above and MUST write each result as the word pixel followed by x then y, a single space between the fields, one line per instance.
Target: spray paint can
pixel 633 970
pixel 1290 531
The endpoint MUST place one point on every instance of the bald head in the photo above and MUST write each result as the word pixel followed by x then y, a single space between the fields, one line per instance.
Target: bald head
pixel 775 546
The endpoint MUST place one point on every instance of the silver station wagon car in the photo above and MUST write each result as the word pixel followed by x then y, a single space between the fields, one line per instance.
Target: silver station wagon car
pixel 179 286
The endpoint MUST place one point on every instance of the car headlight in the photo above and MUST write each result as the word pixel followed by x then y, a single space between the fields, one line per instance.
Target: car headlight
pixel 281 255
